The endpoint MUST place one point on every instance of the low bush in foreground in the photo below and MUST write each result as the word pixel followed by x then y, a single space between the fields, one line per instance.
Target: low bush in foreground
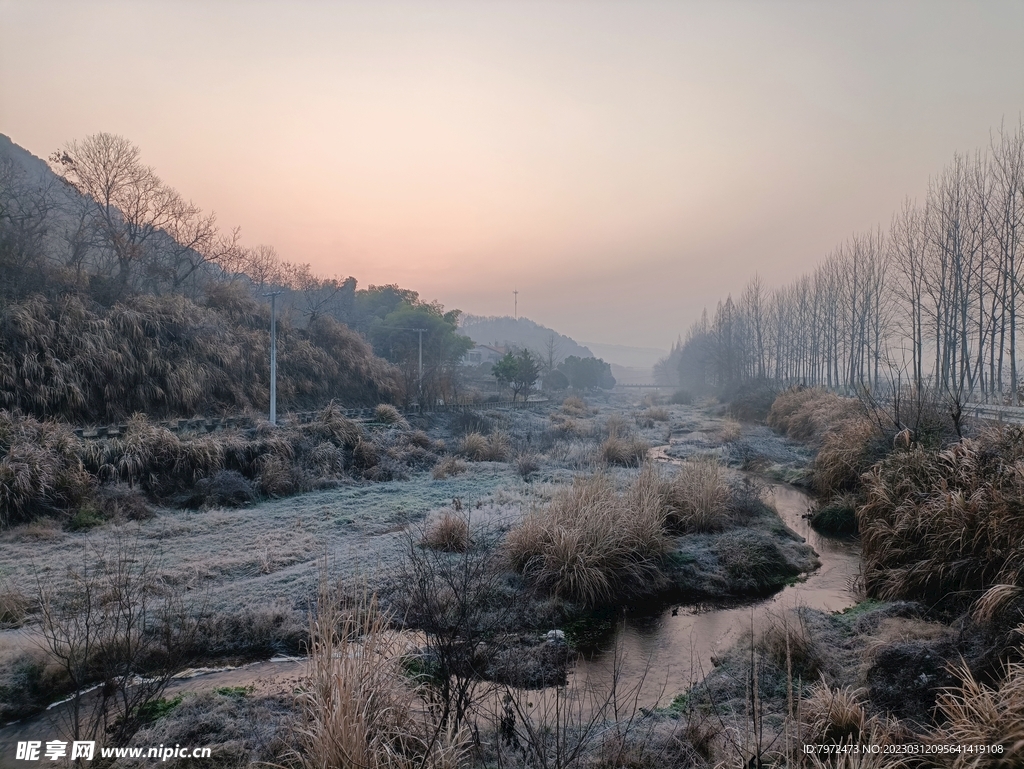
pixel 357 708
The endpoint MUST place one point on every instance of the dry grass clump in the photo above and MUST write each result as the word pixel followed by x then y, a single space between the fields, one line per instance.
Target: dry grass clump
pixel 807 414
pixel 656 414
pixel 730 431
pixel 41 469
pixel 937 523
pixel 357 709
pixel 569 427
pixel 697 498
pixel 481 448
pixel 449 533
pixel 387 414
pixel 976 714
pixel 14 606
pixel 447 467
pixel 45 469
pixel 789 644
pixel 527 465
pixel 627 452
pixel 850 442
pixel 474 447
pixel 833 715
pixel 847 451
pixel 617 426
pixel 575 406
pixel 592 543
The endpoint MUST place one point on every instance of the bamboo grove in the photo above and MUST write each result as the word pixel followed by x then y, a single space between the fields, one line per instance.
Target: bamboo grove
pixel 931 302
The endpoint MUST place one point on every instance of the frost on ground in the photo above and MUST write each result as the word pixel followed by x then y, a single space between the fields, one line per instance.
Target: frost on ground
pixel 254 571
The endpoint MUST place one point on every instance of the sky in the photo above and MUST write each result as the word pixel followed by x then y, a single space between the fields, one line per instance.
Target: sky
pixel 621 164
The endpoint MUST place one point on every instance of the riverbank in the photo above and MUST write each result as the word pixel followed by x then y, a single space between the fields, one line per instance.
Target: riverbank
pixel 257 568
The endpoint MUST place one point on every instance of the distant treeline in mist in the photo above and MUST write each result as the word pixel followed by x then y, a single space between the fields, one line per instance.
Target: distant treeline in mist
pixel 119 295
pixel 932 302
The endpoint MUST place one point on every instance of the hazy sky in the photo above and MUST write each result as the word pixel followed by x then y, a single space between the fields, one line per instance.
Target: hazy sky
pixel 622 164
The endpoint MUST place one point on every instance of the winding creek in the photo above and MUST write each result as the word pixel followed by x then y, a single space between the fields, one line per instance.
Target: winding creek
pixel 667 653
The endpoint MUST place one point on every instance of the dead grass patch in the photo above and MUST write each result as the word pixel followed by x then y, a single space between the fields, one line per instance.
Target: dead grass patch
pixel 697 498
pixel 592 543
pixel 448 467
pixel 976 714
pixel 575 406
pixel 357 708
pixel 937 523
pixel 480 448
pixel 626 452
pixel 449 533
pixel 14 606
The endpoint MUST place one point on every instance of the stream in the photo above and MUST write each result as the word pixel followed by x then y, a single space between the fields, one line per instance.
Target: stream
pixel 665 654
pixel 656 656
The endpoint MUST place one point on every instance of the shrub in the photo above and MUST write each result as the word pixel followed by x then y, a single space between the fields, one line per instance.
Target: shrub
pixel 527 465
pixel 627 452
pixel 681 398
pixel 450 533
pixel 575 406
pixel 937 523
pixel 837 517
pixel 228 488
pixel 447 467
pixel 697 498
pixel 387 414
pixel 834 715
pixel 357 708
pixel 591 543
pixel 14 606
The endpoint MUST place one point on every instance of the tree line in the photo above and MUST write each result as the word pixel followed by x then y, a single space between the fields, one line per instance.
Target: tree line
pixel 101 225
pixel 931 302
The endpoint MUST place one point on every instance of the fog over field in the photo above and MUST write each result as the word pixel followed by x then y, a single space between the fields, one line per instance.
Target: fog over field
pixel 511 385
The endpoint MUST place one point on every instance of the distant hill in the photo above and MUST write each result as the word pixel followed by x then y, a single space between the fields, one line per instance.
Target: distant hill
pixel 522 332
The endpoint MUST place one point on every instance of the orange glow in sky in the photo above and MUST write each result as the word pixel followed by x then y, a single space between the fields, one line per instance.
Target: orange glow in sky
pixel 622 164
